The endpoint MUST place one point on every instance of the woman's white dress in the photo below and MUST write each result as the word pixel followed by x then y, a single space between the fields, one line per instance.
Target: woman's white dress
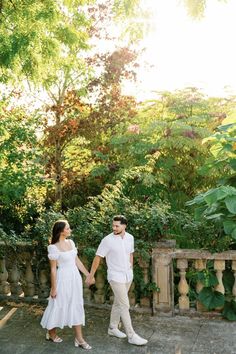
pixel 67 309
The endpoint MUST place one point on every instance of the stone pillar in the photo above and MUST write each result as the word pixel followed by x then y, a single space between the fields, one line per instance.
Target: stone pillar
pixel 183 288
pixel 4 285
pixel 219 266
pixel 200 264
pixel 162 275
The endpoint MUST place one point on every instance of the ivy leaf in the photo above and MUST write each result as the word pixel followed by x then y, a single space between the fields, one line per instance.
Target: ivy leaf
pixel 211 299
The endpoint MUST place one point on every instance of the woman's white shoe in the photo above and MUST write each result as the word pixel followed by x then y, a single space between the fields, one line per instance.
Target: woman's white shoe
pixel 83 345
pixel 56 339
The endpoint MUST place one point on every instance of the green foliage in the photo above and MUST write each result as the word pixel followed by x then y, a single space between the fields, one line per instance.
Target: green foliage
pixel 22 187
pixel 200 234
pixel 209 297
pixel 160 148
pixel 10 239
pixel 207 278
pixel 149 288
pixel 91 222
pixel 219 204
pixel 41 230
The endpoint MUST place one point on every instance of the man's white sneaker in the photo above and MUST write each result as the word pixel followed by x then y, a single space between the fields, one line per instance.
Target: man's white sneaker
pixel 115 332
pixel 137 340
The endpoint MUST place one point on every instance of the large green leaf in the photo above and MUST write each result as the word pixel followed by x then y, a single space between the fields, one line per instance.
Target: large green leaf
pixel 211 196
pixel 233 233
pixel 229 311
pixel 211 299
pixel 214 216
pixel 223 192
pixel 229 226
pixel 231 204
pixel 198 212
pixel 197 200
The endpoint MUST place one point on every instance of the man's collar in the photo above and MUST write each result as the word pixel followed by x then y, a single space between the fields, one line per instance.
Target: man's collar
pixel 119 235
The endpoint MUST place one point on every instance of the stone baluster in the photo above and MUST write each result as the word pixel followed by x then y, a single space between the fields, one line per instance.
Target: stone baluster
pixel 14 278
pixel 131 294
pixel 29 289
pixel 99 295
pixel 219 266
pixel 4 285
pixel 44 289
pixel 183 288
pixel 144 265
pixel 200 264
pixel 234 286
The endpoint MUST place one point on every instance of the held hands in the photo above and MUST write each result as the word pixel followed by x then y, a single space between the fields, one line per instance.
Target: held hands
pixel 89 280
pixel 53 293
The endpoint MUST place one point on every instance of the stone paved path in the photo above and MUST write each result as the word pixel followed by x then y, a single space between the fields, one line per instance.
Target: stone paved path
pixel 20 333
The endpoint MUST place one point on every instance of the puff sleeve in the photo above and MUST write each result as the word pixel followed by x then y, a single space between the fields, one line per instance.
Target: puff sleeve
pixel 73 245
pixel 53 253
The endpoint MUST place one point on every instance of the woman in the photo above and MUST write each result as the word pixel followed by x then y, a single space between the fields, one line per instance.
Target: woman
pixel 65 306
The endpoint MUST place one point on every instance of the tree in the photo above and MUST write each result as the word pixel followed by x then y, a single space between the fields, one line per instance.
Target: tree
pixel 159 148
pixel 22 187
pixel 71 81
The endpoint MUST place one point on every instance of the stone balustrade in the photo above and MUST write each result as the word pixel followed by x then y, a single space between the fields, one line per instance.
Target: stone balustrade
pixel 25 276
pixel 165 256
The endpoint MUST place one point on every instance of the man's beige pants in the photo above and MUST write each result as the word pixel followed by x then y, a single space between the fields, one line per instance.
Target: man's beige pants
pixel 120 307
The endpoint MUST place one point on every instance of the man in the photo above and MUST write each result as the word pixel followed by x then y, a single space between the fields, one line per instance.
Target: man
pixel 118 248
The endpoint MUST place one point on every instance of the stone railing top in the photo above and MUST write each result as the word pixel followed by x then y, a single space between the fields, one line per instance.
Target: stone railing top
pixel 17 244
pixel 203 254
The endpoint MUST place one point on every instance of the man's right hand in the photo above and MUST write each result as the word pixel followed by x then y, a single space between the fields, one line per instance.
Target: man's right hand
pixel 89 280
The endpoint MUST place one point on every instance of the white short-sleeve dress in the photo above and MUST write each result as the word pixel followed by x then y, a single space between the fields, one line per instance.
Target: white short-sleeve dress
pixel 67 309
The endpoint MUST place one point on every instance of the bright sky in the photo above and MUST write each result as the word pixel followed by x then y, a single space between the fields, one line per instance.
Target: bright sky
pixel 187 52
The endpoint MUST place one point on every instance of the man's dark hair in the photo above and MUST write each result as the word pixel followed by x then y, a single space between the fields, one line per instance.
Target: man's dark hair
pixel 120 218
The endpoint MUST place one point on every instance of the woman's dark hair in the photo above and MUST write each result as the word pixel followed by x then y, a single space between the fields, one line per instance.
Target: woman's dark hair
pixel 120 218
pixel 57 229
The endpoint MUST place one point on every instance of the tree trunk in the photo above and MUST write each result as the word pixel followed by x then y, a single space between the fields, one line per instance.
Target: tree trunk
pixel 58 169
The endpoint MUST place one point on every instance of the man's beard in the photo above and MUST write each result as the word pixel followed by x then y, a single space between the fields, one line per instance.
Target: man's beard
pixel 117 233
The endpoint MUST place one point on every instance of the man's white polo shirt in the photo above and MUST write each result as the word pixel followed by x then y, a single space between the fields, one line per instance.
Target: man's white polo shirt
pixel 117 252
